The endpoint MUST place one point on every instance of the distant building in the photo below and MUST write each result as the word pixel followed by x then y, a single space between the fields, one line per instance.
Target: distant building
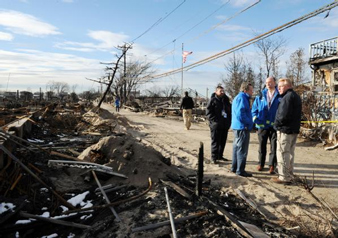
pixel 38 95
pixel 10 95
pixel 26 96
pixel 324 65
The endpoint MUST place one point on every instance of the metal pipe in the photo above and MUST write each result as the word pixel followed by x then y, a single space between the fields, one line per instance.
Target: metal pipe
pixel 172 222
pixel 105 196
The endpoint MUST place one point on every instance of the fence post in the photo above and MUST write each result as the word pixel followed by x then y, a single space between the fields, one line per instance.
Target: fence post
pixel 199 179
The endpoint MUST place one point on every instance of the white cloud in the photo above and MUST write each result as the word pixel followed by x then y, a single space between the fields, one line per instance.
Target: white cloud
pixel 106 42
pixel 240 3
pixel 20 23
pixel 6 36
pixel 30 68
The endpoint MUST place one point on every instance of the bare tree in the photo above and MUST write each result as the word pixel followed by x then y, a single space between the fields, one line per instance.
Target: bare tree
pixel 74 86
pixel 171 91
pixel 57 88
pixel 235 76
pixel 154 91
pixel 271 49
pixel 136 72
pixel 296 67
pixel 260 80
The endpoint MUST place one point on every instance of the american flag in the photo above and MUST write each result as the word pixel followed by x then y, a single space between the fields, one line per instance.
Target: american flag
pixel 185 54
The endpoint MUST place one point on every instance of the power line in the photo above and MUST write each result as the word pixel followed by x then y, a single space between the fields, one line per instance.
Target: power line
pixel 251 41
pixel 158 21
pixel 210 29
pixel 226 20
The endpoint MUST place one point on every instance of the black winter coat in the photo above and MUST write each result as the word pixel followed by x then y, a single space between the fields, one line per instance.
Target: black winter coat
pixel 288 115
pixel 214 112
pixel 187 103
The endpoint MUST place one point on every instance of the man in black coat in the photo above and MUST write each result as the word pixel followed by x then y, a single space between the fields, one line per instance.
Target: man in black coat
pixel 287 125
pixel 219 114
pixel 187 105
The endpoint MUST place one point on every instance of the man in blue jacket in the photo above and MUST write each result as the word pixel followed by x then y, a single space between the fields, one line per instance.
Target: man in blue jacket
pixel 219 115
pixel 263 113
pixel 241 123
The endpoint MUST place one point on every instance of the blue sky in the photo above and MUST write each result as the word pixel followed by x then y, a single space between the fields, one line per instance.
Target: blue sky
pixel 65 40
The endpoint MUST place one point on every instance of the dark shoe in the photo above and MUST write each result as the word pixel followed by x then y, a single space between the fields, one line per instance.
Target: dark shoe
pixel 277 180
pixel 245 174
pixel 259 168
pixel 272 170
pixel 223 159
pixel 213 161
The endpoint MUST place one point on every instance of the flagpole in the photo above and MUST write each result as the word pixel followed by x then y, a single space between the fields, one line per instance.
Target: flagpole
pixel 182 72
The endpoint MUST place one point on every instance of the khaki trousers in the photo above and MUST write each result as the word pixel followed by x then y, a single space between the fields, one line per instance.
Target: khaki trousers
pixel 187 115
pixel 286 144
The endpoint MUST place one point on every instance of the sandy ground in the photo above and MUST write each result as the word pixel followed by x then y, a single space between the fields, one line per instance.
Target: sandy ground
pixel 287 204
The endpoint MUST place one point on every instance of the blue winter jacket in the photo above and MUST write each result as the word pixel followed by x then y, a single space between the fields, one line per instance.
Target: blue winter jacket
pixel 241 114
pixel 262 116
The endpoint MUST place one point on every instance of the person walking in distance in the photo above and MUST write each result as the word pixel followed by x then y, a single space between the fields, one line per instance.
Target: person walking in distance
pixel 241 123
pixel 187 105
pixel 219 115
pixel 287 125
pixel 263 113
pixel 117 103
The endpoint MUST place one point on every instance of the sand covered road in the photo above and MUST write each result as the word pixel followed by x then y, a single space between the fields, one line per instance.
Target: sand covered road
pixel 291 205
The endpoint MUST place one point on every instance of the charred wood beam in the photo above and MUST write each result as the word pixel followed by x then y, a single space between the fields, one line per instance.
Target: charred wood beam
pixel 63 201
pixel 176 188
pixel 165 223
pixel 231 219
pixel 114 203
pixel 54 221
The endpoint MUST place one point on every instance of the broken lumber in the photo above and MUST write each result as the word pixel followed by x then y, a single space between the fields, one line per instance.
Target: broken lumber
pixel 165 223
pixel 176 188
pixel 55 221
pixel 228 217
pixel 114 203
pixel 250 202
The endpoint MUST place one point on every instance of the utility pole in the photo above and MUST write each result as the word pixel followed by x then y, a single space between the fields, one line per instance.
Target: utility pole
pixel 123 90
pixel 182 71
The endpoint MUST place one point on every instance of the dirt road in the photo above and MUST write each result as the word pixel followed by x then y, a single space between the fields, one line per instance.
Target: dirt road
pixel 288 204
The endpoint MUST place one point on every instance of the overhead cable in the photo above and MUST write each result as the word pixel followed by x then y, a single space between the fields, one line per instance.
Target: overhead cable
pixel 212 28
pixel 158 22
pixel 251 41
pixel 226 20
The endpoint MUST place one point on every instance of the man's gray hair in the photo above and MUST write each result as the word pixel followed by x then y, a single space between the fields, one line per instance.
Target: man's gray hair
pixel 245 86
pixel 285 81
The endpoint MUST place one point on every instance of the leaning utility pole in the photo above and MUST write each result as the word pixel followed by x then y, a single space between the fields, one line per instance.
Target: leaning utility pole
pixel 126 48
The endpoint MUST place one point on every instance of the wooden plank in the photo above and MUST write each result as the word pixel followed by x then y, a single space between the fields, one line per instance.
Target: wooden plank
pixel 176 188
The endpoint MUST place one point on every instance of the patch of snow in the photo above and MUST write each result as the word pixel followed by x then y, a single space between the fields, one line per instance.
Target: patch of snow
pixel 4 207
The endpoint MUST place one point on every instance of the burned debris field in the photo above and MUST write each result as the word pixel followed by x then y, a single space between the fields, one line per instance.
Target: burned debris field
pixel 54 176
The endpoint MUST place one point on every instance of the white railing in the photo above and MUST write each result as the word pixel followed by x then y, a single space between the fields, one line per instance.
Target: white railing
pixel 323 49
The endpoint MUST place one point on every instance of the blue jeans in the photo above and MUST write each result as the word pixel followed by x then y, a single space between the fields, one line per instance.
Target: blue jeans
pixel 240 151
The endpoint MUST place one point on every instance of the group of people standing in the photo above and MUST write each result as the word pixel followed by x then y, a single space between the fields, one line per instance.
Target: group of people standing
pixel 275 112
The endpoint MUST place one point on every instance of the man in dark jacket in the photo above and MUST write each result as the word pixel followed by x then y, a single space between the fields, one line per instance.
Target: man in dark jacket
pixel 219 115
pixel 287 124
pixel 187 105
